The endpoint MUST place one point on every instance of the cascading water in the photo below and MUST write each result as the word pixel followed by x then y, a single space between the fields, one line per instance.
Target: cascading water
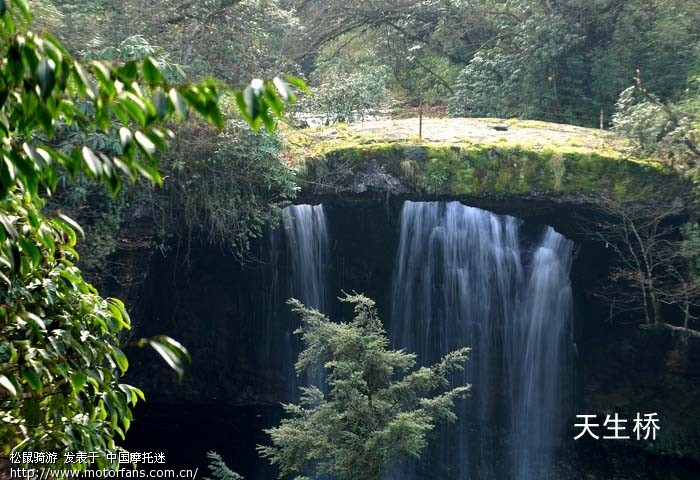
pixel 460 279
pixel 306 234
pixel 308 253
pixel 540 352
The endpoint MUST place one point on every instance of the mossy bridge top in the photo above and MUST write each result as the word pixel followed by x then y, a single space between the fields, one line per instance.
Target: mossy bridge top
pixel 461 157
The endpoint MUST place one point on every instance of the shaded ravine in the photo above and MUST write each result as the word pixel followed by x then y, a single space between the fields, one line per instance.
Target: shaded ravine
pixel 240 369
pixel 234 320
pixel 462 278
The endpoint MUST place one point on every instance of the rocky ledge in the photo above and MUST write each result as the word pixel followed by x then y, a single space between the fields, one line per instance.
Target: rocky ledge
pixel 475 158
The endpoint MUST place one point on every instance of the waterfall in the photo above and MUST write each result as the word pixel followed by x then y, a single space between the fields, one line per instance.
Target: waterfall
pixel 308 254
pixel 460 279
pixel 306 234
pixel 540 352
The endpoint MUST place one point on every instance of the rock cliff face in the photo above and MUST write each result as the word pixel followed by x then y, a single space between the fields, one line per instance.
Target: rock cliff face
pixel 226 313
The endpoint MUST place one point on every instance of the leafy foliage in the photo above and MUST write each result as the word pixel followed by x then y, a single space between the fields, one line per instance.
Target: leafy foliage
pixel 219 470
pixel 241 37
pixel 136 48
pixel 563 61
pixel 100 216
pixel 348 96
pixel 690 247
pixel 42 84
pixel 658 38
pixel 519 74
pixel 418 43
pixel 60 356
pixel 426 79
pixel 644 123
pixel 227 39
pixel 61 359
pixel 567 61
pixel 379 409
pixel 668 131
pixel 224 186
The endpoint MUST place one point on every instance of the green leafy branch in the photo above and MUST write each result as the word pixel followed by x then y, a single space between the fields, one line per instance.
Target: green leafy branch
pixel 60 351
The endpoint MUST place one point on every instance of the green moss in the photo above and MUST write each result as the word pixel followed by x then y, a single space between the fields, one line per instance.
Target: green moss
pixel 494 167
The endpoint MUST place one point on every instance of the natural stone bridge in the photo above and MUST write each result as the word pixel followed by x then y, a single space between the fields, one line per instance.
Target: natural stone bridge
pixel 476 158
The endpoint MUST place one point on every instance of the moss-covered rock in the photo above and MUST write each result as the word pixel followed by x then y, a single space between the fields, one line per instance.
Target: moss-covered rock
pixel 470 157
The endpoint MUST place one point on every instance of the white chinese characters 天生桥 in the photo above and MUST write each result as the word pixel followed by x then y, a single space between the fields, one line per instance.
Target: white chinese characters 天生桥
pixel 613 427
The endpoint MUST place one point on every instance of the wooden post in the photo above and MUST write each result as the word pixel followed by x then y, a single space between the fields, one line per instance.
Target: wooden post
pixel 601 118
pixel 420 118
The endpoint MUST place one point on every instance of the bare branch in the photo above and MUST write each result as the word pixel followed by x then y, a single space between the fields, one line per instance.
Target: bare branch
pixel 688 332
pixel 652 270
